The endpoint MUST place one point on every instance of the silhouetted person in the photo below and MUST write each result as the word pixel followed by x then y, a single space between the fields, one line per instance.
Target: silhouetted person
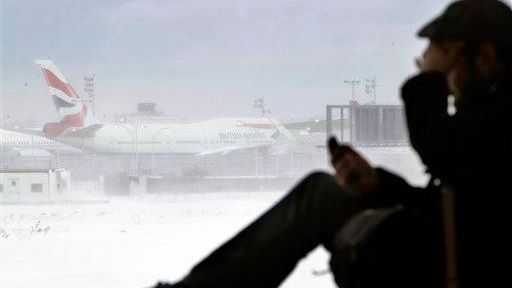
pixel 468 57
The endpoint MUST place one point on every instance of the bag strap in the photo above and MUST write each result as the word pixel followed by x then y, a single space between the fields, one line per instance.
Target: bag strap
pixel 450 241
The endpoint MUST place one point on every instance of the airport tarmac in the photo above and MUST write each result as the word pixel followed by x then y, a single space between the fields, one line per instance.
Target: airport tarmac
pixel 134 241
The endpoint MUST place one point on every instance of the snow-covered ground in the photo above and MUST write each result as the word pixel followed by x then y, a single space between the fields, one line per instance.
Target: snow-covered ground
pixel 133 241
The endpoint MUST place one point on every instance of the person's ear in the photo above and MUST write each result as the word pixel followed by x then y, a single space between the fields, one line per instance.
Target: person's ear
pixel 487 60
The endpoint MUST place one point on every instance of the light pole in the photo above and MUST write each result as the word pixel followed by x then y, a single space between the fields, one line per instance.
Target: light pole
pixel 371 86
pixel 353 83
pixel 89 87
pixel 153 140
pixel 261 107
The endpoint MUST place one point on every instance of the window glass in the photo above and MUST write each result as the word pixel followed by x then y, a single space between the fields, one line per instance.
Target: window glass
pixel 181 121
pixel 36 187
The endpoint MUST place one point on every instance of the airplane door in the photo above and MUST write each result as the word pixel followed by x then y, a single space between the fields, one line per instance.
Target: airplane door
pixel 204 140
pixel 169 140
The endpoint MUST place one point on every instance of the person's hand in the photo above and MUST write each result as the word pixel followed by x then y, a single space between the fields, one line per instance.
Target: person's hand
pixel 353 172
pixel 440 57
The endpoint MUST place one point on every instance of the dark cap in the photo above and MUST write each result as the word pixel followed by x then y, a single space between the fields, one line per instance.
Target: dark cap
pixel 472 20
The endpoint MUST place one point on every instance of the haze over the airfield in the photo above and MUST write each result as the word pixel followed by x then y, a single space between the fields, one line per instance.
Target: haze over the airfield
pixel 202 59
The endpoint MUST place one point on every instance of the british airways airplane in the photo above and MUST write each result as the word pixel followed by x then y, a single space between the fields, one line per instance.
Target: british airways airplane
pixel 22 144
pixel 80 129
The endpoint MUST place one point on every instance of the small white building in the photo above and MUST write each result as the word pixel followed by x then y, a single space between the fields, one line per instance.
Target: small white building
pixel 34 185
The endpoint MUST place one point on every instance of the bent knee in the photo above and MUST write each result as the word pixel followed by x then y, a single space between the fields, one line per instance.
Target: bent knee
pixel 318 189
pixel 320 181
pixel 319 176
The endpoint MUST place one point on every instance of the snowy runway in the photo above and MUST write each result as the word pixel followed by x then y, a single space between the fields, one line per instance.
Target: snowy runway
pixel 132 242
pixel 128 242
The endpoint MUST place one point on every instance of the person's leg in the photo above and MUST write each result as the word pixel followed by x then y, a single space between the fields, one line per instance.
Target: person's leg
pixel 403 250
pixel 264 253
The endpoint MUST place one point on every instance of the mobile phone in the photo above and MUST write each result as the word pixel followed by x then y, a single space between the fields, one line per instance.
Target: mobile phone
pixel 333 144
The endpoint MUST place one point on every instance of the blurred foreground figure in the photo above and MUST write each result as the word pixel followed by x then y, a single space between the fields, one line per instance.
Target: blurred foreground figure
pixel 469 59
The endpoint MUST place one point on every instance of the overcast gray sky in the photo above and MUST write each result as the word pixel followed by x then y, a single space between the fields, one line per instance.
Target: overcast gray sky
pixel 202 58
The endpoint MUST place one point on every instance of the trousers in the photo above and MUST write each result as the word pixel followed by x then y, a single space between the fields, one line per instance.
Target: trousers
pixel 265 252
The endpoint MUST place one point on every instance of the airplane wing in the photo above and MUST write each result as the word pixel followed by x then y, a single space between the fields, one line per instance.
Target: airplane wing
pixel 36 152
pixel 222 151
pixel 267 148
pixel 33 152
pixel 35 132
pixel 88 131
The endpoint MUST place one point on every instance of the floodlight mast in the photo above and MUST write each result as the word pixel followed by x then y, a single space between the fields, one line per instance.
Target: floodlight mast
pixel 353 83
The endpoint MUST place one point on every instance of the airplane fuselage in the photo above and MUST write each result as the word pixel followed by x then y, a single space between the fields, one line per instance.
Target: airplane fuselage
pixel 206 137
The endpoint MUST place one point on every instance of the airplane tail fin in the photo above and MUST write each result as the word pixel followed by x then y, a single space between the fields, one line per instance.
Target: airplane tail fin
pixel 282 133
pixel 73 111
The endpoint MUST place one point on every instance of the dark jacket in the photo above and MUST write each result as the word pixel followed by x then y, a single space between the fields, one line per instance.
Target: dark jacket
pixel 471 151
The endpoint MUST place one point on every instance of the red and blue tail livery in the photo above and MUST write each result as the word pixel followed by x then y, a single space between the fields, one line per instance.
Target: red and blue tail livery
pixel 72 110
